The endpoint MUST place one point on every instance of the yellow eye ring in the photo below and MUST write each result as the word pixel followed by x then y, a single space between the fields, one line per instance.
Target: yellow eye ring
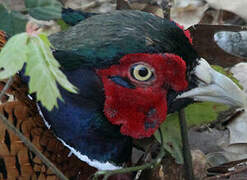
pixel 141 72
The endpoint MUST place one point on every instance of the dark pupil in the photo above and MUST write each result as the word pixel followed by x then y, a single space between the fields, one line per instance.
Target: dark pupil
pixel 143 72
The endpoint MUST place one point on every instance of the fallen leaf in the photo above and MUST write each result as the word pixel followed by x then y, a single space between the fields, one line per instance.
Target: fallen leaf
pixel 205 45
pixel 237 6
pixel 188 12
pixel 232 42
pixel 196 114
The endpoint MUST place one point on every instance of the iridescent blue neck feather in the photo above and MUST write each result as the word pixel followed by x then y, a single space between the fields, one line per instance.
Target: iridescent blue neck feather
pixel 80 122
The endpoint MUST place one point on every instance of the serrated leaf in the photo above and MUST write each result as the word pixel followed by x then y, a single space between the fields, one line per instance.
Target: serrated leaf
pixel 62 80
pixel 44 9
pixel 41 66
pixel 196 114
pixel 53 65
pixel 43 71
pixel 12 22
pixel 44 38
pixel 41 79
pixel 13 55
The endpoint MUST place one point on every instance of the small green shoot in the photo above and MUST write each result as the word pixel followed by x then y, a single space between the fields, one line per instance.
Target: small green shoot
pixel 34 50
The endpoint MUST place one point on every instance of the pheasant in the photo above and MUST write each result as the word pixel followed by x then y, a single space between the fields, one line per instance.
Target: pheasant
pixel 131 69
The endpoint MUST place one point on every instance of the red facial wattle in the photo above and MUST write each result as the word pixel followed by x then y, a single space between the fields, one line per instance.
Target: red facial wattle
pixel 142 109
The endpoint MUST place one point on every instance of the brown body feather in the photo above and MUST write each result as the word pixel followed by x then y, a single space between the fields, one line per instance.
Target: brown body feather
pixel 16 160
pixel 3 39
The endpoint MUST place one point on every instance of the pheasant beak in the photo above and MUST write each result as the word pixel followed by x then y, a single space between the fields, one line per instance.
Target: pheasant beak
pixel 215 87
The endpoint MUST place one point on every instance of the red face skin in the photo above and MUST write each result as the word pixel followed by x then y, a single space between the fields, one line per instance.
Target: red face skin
pixel 141 110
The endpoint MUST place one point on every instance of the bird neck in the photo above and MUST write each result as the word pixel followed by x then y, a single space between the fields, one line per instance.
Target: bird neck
pixel 80 123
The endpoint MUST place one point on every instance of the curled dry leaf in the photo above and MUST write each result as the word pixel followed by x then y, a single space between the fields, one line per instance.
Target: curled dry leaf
pixel 47 27
pixel 204 43
pixel 153 7
pixel 188 12
pixel 232 42
pixel 235 143
pixel 237 6
pixel 99 6
pixel 237 128
pixel 199 163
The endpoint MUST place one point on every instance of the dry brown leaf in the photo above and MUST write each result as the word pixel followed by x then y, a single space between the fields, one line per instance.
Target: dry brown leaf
pixel 188 12
pixel 235 143
pixel 236 6
pixel 205 45
pixel 147 6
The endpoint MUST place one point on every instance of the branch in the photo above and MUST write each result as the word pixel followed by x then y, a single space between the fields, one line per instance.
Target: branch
pixel 151 165
pixel 227 174
pixel 28 143
pixel 188 168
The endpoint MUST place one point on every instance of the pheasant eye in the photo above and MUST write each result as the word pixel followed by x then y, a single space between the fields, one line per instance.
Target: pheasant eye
pixel 141 72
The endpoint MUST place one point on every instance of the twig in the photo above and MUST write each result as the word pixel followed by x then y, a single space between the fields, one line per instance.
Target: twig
pixel 227 174
pixel 166 6
pixel 6 87
pixel 186 148
pixel 29 144
pixel 152 164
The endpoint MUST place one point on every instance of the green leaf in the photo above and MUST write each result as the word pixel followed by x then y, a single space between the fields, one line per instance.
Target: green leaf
pixel 203 113
pixel 41 66
pixel 196 114
pixel 171 137
pixel 12 22
pixel 41 79
pixel 46 41
pixel 13 55
pixel 44 71
pixel 62 24
pixel 44 9
pixel 53 65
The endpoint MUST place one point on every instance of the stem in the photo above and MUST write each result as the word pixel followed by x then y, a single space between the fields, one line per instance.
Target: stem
pixel 6 87
pixel 227 175
pixel 151 164
pixel 29 144
pixel 186 147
